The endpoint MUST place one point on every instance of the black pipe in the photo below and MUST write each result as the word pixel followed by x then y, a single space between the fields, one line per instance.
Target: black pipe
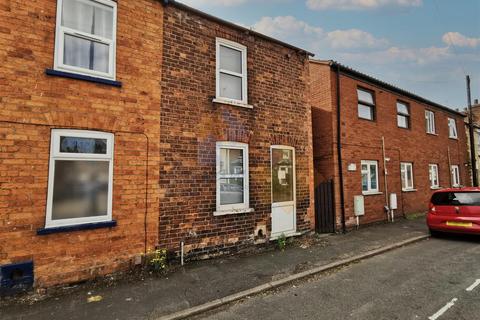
pixel 339 153
pixel 472 136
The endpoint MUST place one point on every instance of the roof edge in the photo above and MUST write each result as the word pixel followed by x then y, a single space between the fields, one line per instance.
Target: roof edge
pixel 367 78
pixel 233 25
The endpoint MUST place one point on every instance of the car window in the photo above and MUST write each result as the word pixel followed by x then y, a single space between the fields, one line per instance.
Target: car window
pixel 456 199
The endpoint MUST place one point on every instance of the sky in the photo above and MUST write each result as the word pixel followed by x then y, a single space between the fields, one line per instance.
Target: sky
pixel 424 46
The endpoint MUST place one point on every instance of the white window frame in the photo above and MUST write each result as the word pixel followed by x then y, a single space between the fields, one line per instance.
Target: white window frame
pixel 455 173
pixel 430 121
pixel 452 128
pixel 238 207
pixel 404 167
pixel 243 49
pixel 60 36
pixel 55 154
pixel 433 171
pixel 369 163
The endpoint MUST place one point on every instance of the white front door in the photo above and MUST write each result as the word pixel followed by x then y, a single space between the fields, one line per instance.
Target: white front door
pixel 284 219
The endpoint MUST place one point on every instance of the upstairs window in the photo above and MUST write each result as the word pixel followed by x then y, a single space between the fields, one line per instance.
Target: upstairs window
pixel 430 121
pixel 80 178
pixel 86 37
pixel 455 176
pixel 232 177
pixel 452 128
pixel 369 176
pixel 433 175
pixel 403 115
pixel 366 104
pixel 406 171
pixel 231 72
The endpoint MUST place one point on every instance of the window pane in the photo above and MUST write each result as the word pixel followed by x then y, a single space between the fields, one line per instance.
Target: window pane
pixel 409 177
pixel 231 191
pixel 80 189
pixel 282 175
pixel 373 177
pixel 365 96
pixel 402 108
pixel 230 59
pixel 364 181
pixel 93 18
pixel 230 86
pixel 365 112
pixel 231 161
pixel 402 121
pixel 85 54
pixel 83 145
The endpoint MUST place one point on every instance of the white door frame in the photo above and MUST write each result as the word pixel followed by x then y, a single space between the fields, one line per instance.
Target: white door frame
pixel 286 203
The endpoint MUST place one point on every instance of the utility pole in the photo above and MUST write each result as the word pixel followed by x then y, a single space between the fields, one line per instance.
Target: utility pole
pixel 472 137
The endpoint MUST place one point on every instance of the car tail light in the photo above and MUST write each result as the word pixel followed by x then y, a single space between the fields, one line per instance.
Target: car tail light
pixel 431 208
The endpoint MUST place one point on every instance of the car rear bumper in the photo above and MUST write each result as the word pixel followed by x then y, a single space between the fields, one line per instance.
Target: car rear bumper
pixel 439 223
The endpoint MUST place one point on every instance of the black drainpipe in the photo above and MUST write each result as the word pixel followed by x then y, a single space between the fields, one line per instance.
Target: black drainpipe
pixel 339 152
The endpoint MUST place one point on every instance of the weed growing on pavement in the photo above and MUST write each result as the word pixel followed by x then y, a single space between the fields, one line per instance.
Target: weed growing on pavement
pixel 157 260
pixel 282 242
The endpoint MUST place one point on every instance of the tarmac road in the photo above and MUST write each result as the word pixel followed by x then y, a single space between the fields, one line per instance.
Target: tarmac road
pixel 432 279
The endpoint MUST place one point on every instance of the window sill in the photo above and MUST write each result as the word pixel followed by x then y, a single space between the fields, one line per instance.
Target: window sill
pixel 409 190
pixel 375 193
pixel 453 138
pixel 436 188
pixel 432 134
pixel 228 212
pixel 86 226
pixel 76 76
pixel 232 103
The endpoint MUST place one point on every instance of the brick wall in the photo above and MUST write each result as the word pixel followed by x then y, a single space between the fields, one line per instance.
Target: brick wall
pixel 191 125
pixel 32 103
pixel 362 140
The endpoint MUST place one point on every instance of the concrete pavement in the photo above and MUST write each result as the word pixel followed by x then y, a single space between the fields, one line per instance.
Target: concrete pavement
pixel 206 281
pixel 426 280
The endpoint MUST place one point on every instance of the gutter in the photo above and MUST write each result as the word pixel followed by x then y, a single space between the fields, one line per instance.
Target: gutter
pixel 210 17
pixel 339 152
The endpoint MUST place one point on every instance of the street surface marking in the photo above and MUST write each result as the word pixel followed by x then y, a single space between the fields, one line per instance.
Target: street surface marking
pixel 443 310
pixel 474 285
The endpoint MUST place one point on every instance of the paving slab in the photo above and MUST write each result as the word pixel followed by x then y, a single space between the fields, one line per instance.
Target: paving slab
pixel 206 281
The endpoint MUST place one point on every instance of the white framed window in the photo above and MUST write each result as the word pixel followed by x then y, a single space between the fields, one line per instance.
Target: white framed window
pixel 430 121
pixel 433 176
pixel 85 37
pixel 366 104
pixel 232 177
pixel 452 128
pixel 403 115
pixel 231 75
pixel 455 176
pixel 406 171
pixel 369 176
pixel 80 178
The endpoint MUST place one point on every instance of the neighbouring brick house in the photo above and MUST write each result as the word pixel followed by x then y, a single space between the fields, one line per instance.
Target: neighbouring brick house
pixel 236 150
pixel 79 136
pixel 424 144
pixel 476 136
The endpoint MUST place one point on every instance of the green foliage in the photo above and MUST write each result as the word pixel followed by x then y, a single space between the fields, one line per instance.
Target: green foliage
pixel 282 242
pixel 157 260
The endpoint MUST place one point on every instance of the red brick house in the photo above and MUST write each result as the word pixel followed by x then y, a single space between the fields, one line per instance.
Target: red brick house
pixel 79 136
pixel 374 139
pixel 111 145
pixel 235 151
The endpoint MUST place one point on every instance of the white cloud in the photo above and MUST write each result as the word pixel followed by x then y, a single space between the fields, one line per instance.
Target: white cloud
pixel 290 29
pixel 401 55
pixel 354 38
pixel 360 4
pixel 226 3
pixel 459 40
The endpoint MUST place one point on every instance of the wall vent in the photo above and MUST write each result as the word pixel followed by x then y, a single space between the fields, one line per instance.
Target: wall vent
pixel 16 277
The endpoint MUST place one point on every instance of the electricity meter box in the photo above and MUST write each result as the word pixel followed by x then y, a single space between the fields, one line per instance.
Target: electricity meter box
pixel 359 205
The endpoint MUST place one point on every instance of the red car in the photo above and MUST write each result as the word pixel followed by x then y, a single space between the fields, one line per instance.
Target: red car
pixel 454 210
